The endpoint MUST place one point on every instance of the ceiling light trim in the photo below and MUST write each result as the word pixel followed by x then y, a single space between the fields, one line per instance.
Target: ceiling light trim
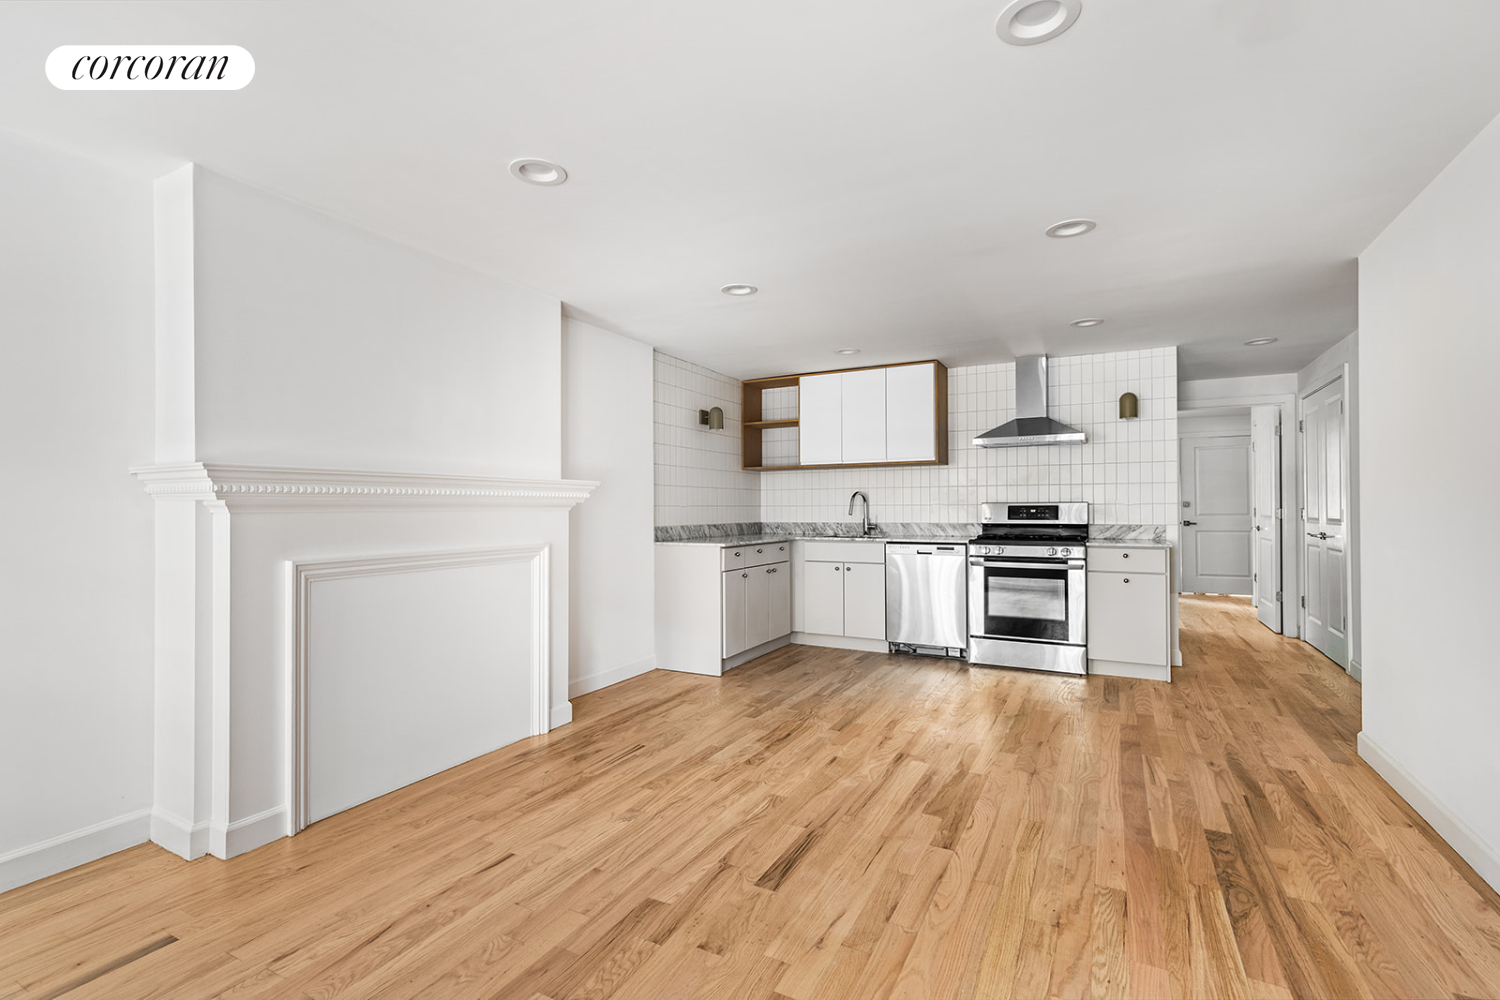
pixel 1031 22
pixel 1069 228
pixel 1261 341
pixel 1086 322
pixel 543 173
pixel 738 289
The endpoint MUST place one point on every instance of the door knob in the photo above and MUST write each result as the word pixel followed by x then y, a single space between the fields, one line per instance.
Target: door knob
pixel 1188 524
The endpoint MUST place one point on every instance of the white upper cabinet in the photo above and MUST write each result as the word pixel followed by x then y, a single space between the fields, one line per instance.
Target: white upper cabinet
pixel 863 416
pixel 873 416
pixel 911 413
pixel 820 421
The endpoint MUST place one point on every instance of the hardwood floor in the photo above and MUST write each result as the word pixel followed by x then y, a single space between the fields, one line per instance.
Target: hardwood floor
pixel 823 824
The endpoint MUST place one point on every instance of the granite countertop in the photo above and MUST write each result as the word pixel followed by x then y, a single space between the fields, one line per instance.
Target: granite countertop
pixel 1129 543
pixel 733 541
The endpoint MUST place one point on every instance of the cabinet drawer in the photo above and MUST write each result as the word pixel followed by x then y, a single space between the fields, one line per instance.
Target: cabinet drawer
pixel 1132 560
pixel 734 558
pixel 848 552
pixel 766 553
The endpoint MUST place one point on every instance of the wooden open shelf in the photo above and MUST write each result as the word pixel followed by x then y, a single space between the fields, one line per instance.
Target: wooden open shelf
pixel 763 424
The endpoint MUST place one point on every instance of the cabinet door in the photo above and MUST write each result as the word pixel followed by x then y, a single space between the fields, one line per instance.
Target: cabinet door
pixel 863 415
pixel 779 611
pixel 1127 618
pixel 820 419
pixel 864 600
pixel 757 606
pixel 911 414
pixel 734 611
pixel 823 602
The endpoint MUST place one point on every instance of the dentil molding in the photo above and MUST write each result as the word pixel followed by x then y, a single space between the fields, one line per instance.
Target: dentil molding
pixel 265 486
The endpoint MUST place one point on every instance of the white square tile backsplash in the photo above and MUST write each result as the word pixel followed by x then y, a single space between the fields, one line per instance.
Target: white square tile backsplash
pixel 1127 470
pixel 698 474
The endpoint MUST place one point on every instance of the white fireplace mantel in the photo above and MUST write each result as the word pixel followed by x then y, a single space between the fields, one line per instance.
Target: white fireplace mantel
pixel 255 486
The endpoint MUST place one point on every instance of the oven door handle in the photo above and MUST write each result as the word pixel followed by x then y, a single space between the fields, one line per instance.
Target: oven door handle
pixel 1038 564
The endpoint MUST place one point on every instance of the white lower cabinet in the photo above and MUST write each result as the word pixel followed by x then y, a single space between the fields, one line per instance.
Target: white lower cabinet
pixel 706 629
pixel 757 606
pixel 842 590
pixel 1129 612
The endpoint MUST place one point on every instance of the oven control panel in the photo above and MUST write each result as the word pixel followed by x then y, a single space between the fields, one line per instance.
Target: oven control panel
pixel 1028 551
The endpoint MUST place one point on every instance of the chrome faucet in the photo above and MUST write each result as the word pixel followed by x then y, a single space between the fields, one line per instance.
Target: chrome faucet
pixel 866 525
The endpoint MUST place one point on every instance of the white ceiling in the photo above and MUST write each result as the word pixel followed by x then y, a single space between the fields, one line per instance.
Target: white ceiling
pixel 883 171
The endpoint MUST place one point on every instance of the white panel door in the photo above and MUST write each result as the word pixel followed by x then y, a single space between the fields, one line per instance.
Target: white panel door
pixel 864 600
pixel 823 598
pixel 1265 493
pixel 1325 484
pixel 1216 521
pixel 863 413
pixel 820 419
pixel 911 414
pixel 734 588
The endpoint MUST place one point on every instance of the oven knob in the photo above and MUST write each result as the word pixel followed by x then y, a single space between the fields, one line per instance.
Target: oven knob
pixel 999 550
pixel 1067 551
pixel 1051 552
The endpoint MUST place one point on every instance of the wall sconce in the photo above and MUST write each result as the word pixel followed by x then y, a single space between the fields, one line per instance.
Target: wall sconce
pixel 713 418
pixel 1130 406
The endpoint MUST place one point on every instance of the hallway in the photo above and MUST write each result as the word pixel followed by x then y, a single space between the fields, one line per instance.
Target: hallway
pixel 820 823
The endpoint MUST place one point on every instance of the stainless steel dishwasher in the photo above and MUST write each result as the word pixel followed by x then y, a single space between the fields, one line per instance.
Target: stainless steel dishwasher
pixel 926 606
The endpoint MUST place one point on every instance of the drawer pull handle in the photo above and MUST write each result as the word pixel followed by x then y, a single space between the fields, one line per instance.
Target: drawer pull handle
pixel 759 551
pixel 1124 555
pixel 1127 579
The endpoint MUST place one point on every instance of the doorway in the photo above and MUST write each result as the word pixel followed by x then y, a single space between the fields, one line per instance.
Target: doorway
pixel 1217 524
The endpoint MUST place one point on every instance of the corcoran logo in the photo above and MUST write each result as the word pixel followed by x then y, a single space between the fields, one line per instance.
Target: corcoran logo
pixel 150 67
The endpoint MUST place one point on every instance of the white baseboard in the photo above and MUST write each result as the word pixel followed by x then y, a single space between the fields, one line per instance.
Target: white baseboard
pixel 1139 671
pixel 178 836
pixel 1482 857
pixel 58 854
pixel 245 835
pixel 841 642
pixel 562 714
pixel 1356 671
pixel 594 682
pixel 754 651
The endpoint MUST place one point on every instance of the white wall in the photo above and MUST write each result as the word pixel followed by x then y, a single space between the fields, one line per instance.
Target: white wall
pixel 1429 354
pixel 607 437
pixel 1127 470
pixel 75 577
pixel 699 479
pixel 1322 369
pixel 319 344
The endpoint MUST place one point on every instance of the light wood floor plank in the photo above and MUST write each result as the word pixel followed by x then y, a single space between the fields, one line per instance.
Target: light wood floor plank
pixel 825 824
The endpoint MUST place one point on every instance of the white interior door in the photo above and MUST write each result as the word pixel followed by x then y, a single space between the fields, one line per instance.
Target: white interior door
pixel 1265 512
pixel 1325 485
pixel 1216 521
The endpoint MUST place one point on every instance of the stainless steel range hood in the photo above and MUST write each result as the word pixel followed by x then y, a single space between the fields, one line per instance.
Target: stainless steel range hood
pixel 1032 425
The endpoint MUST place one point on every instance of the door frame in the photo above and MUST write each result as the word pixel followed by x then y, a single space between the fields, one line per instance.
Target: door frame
pixel 1345 473
pixel 1291 488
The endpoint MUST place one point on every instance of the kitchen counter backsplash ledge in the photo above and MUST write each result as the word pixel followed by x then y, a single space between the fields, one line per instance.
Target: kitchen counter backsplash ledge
pixel 740 531
pixel 746 532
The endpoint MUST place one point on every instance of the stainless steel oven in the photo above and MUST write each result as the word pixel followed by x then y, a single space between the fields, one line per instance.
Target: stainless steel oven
pixel 1027 595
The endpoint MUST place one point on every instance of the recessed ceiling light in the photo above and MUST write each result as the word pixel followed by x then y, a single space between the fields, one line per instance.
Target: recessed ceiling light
pixel 1091 321
pixel 847 350
pixel 542 172
pixel 1027 22
pixel 1070 227
pixel 739 289
pixel 1260 341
